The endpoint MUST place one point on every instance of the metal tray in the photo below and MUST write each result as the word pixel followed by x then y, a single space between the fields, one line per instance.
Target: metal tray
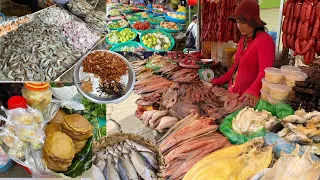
pixel 128 79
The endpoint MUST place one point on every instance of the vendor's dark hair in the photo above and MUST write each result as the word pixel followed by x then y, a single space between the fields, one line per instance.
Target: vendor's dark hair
pixel 257 29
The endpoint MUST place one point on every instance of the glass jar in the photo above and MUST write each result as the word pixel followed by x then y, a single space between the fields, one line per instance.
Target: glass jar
pixel 38 95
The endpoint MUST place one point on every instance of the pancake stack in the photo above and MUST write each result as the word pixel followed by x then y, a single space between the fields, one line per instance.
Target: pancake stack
pixel 78 128
pixel 58 151
pixel 73 130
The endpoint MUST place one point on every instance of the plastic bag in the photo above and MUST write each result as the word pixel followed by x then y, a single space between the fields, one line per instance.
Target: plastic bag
pixel 283 110
pixel 3 157
pixel 37 115
pixel 264 105
pixel 235 138
pixel 281 144
pixel 19 116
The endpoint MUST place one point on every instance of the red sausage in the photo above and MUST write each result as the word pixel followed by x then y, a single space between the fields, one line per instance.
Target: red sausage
pixel 303 12
pixel 285 8
pixel 318 10
pixel 306 58
pixel 313 15
pixel 285 25
pixel 299 30
pixel 294 27
pixel 305 30
pixel 308 11
pixel 284 41
pixel 297 10
pixel 316 28
pixel 289 26
pixel 307 47
pixel 292 43
pixel 289 9
pixel 297 46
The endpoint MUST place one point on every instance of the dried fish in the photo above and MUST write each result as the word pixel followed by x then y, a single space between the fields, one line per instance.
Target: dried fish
pixel 79 7
pixel 55 16
pixel 97 19
pixel 32 53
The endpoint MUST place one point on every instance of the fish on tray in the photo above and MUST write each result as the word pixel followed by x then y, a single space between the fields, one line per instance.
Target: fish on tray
pixel 127 160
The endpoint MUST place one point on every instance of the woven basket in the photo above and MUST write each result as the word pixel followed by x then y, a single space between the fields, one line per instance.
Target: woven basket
pixel 120 137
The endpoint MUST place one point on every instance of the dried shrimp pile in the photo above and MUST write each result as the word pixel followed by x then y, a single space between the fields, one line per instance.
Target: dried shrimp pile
pixel 79 35
pixel 107 66
pixel 80 6
pixel 54 16
pixel 97 20
pixel 35 51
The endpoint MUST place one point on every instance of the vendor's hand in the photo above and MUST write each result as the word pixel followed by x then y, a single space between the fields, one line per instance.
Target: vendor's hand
pixel 249 99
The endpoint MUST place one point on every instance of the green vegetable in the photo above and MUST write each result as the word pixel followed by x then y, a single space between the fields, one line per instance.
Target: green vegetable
pixel 80 160
pixel 283 110
pixel 103 131
pixel 96 110
pixel 264 105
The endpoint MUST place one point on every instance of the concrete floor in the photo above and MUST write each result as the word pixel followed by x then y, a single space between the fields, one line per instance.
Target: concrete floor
pixel 123 113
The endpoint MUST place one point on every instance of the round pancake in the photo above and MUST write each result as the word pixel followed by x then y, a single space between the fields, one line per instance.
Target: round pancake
pixel 56 166
pixel 76 136
pixel 79 145
pixel 59 146
pixel 78 123
pixel 59 117
pixel 51 128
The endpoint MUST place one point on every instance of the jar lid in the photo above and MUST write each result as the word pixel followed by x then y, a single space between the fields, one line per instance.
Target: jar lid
pixel 17 102
pixel 37 86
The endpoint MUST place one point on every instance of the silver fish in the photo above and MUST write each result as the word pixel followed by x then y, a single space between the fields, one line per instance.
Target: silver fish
pixel 139 147
pixel 110 172
pixel 128 168
pixel 141 165
pixel 151 159
pixel 96 173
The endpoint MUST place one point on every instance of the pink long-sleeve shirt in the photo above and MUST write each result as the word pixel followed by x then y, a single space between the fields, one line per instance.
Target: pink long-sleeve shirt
pixel 259 55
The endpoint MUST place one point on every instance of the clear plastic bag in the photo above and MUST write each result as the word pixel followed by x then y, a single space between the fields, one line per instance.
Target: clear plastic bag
pixel 3 157
pixel 19 116
pixel 37 115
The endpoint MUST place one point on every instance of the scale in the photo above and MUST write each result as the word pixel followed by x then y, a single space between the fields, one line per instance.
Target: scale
pixel 206 72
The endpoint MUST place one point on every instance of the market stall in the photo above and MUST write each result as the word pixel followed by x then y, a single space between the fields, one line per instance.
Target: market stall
pixel 50 132
pixel 151 30
pixel 196 130
pixel 44 45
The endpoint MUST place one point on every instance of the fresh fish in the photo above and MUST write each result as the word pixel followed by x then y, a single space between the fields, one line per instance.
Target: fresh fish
pixel 101 164
pixel 126 145
pixel 151 159
pixel 110 172
pixel 96 173
pixel 139 147
pixel 141 165
pixel 127 168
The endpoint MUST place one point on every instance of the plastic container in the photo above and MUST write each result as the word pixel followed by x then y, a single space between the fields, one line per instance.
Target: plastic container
pixel 292 77
pixel 264 95
pixel 158 19
pixel 118 48
pixel 38 95
pixel 133 38
pixel 265 86
pixel 274 75
pixel 279 92
pixel 289 69
pixel 155 31
pixel 229 53
pixel 272 101
pixel 17 102
pixel 171 30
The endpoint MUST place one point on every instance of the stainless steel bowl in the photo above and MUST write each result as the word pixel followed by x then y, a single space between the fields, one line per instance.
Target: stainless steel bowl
pixel 103 100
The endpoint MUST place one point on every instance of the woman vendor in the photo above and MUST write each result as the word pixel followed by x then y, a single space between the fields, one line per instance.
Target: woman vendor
pixel 256 51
